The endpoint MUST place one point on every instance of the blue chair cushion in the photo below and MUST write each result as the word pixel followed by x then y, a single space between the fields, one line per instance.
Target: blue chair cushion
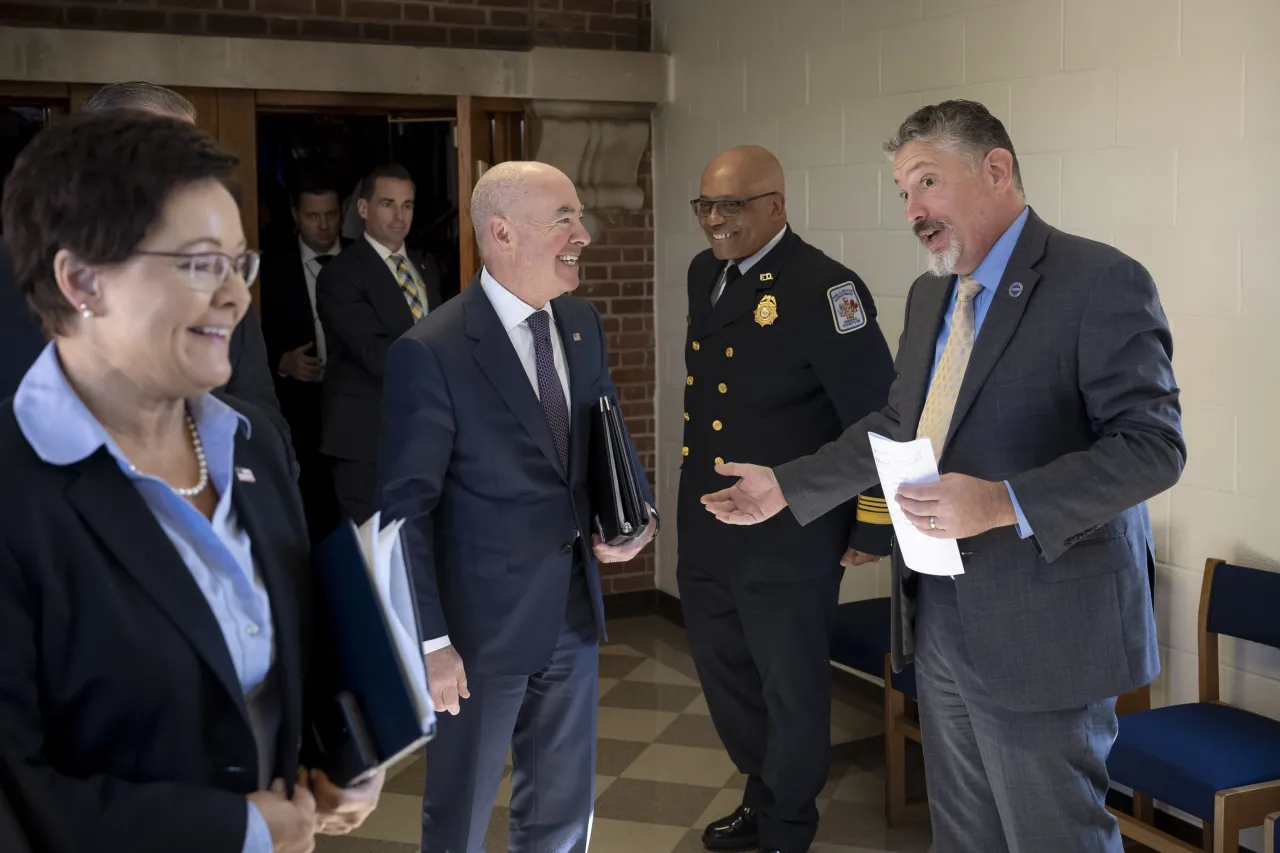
pixel 861 636
pixel 1184 754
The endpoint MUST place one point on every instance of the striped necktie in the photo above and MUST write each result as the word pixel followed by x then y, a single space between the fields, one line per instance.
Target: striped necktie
pixel 940 404
pixel 409 286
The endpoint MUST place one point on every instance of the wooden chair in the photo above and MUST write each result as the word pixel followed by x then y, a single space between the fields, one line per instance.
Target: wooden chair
pixel 860 644
pixel 1209 759
pixel 1271 834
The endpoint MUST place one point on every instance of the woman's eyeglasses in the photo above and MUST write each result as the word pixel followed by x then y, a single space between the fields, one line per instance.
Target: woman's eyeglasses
pixel 728 207
pixel 212 268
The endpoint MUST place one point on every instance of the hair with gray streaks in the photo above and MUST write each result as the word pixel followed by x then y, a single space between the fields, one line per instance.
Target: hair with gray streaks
pixel 963 128
pixel 137 95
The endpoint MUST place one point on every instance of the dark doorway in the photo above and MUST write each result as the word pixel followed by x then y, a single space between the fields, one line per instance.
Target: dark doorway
pixel 344 147
pixel 19 123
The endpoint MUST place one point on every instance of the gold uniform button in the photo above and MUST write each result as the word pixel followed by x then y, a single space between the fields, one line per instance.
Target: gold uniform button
pixel 688 380
pixel 684 451
pixel 724 388
pixel 686 416
pixel 719 460
pixel 696 346
pixel 717 426
pixel 728 353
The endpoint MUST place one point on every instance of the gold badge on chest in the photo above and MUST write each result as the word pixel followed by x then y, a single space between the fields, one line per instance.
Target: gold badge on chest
pixel 767 310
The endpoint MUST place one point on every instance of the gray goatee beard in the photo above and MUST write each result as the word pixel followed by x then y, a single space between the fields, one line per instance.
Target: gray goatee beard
pixel 944 263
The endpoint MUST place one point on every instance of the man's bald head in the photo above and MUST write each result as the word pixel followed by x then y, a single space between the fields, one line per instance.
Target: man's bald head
pixel 502 190
pixel 747 179
pixel 748 167
pixel 528 224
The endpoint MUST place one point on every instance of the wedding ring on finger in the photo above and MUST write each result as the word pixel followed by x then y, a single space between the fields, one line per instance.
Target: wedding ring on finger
pixel 933 522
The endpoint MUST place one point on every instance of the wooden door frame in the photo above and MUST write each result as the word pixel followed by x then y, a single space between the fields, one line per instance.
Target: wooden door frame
pixel 480 146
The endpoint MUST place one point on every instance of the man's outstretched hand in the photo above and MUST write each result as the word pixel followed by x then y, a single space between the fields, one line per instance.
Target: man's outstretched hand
pixel 753 499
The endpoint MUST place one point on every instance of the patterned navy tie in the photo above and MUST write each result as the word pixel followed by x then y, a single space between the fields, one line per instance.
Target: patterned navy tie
pixel 550 392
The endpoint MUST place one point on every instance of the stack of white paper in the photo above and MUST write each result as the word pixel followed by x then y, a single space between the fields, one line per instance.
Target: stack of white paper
pixel 912 463
pixel 384 557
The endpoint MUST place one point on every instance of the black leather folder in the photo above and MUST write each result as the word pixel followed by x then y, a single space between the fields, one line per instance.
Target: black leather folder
pixel 620 512
pixel 367 716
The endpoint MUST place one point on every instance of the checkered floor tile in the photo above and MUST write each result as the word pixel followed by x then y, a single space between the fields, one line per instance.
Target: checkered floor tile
pixel 662 774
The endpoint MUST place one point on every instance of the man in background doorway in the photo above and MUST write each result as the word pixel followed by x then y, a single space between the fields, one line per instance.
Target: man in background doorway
pixel 368 297
pixel 295 337
pixel 21 338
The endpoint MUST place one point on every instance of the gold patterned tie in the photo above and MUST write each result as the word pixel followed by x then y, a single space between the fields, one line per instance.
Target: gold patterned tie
pixel 935 419
pixel 409 286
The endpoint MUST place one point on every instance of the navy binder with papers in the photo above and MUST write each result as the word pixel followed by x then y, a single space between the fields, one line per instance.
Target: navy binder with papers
pixel 381 710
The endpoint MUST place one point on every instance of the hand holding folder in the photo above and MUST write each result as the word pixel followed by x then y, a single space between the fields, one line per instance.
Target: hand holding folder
pixel 379 709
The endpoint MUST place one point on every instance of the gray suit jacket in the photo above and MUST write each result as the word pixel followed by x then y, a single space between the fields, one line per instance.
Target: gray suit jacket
pixel 1070 396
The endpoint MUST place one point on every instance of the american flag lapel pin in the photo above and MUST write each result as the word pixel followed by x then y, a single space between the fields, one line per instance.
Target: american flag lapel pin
pixel 577 336
pixel 244 475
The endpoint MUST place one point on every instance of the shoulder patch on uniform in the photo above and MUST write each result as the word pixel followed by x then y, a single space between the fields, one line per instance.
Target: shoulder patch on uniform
pixel 846 308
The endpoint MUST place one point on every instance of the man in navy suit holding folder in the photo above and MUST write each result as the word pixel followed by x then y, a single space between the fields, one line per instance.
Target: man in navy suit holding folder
pixel 484 454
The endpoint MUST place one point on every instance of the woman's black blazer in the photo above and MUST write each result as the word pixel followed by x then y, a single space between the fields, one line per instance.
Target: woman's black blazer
pixel 118 697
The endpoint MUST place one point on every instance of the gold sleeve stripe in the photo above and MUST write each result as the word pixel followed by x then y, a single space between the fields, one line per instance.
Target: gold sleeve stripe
pixel 867 516
pixel 872 503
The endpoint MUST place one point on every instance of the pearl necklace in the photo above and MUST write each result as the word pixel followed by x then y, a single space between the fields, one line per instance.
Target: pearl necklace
pixel 203 482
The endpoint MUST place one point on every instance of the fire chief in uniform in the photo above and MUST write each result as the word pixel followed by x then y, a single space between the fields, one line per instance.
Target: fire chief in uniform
pixel 783 353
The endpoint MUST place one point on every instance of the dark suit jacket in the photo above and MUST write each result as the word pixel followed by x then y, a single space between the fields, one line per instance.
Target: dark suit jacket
pixel 21 338
pixel 286 325
pixel 250 376
pixel 1070 396
pixel 118 696
pixel 469 462
pixel 767 393
pixel 363 311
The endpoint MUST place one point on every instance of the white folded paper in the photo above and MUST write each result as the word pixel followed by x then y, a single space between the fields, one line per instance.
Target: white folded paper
pixel 385 560
pixel 912 463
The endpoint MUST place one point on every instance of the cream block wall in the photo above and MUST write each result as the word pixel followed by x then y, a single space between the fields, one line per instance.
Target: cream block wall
pixel 1147 124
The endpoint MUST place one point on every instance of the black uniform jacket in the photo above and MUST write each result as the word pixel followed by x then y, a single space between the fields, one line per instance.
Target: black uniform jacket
pixel 788 358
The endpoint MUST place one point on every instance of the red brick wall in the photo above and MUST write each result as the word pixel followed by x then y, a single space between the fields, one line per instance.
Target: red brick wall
pixel 513 24
pixel 617 276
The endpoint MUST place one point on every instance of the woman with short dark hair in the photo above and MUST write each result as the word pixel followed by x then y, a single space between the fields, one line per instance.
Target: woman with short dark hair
pixel 153 553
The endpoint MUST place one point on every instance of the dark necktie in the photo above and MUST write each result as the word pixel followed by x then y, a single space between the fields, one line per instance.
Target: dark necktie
pixel 550 392
pixel 323 259
pixel 731 275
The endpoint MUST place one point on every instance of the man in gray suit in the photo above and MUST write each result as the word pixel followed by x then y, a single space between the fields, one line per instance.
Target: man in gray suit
pixel 1039 366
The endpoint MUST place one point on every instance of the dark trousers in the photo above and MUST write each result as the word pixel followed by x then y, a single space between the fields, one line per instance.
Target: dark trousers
pixel 548 719
pixel 355 485
pixel 762 654
pixel 301 404
pixel 1003 781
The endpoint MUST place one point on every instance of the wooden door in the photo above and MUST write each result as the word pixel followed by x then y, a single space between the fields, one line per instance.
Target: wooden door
pixel 490 130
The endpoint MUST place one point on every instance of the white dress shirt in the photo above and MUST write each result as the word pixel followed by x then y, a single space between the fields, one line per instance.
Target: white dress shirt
pixel 385 254
pixel 513 314
pixel 311 269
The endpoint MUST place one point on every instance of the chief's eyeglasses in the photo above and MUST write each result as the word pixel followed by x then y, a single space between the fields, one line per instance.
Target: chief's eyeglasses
pixel 727 207
pixel 210 269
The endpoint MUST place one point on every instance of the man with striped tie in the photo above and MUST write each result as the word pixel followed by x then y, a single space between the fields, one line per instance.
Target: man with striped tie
pixel 367 297
pixel 1038 365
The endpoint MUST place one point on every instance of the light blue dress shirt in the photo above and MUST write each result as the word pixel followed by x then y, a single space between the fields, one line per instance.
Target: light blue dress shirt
pixel 988 274
pixel 217 552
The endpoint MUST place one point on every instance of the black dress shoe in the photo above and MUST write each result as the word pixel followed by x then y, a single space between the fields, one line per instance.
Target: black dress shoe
pixel 738 831
pixel 768 850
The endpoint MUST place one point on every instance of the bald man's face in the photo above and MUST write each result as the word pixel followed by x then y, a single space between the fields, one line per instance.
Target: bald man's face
pixel 541 240
pixel 734 237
